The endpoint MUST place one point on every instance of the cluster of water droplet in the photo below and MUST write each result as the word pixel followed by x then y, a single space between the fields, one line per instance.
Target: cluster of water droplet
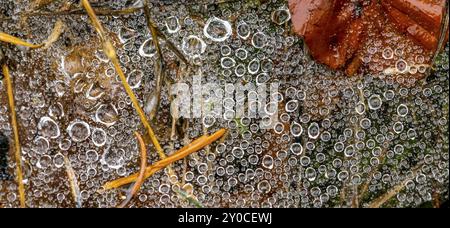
pixel 337 138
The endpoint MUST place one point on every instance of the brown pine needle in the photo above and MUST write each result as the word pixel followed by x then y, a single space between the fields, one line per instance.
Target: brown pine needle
pixel 74 187
pixel 141 177
pixel 17 147
pixel 111 53
pixel 193 147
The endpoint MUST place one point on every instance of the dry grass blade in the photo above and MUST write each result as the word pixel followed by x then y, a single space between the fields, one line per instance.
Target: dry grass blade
pixel 74 187
pixel 111 53
pixel 140 179
pixel 195 146
pixel 15 127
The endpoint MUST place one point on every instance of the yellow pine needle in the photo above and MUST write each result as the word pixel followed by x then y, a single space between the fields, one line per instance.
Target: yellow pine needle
pixel 56 32
pixel 141 177
pixel 17 147
pixel 193 147
pixel 74 187
pixel 16 41
pixel 111 53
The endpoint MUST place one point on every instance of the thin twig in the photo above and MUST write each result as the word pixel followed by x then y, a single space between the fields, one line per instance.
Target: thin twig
pixel 15 127
pixel 195 146
pixel 140 179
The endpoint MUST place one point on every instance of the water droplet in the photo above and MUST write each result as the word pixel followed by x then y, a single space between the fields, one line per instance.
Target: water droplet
pixel 106 114
pixel 267 162
pixel 264 187
pixel 296 149
pixel 401 66
pixel 253 66
pixel 79 131
pixel 398 127
pixel 40 145
pixel 237 152
pixel 296 129
pixel 310 174
pixel 58 160
pixel 313 131
pixel 99 137
pixel 241 54
pixel 375 102
pixel 349 151
pixel 259 40
pixel 225 50
pixel 134 78
pixel 113 158
pixel 91 156
pixel 217 30
pixel 291 106
pixel 243 30
pixel 365 123
pixel 240 70
pixel 193 46
pixel 48 128
pixel 281 16
pixel 44 162
pixel 227 62
pixel 402 110
pixel 147 49
pixel 262 78
pixel 173 24
pixel 126 34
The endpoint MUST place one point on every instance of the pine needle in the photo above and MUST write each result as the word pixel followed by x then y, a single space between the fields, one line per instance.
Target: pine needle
pixel 15 127
pixel 195 146
pixel 16 41
pixel 56 32
pixel 140 179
